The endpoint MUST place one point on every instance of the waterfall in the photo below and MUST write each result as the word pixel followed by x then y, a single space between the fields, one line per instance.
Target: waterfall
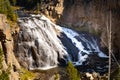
pixel 38 44
pixel 43 45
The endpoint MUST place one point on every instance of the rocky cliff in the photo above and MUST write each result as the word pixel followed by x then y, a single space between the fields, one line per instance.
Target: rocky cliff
pixel 6 44
pixel 92 16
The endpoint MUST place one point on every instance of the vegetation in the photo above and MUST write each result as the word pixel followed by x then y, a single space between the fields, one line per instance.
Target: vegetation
pixel 6 8
pixel 72 72
pixel 57 76
pixel 26 75
pixel 4 74
pixel 13 2
pixel 115 75
pixel 28 4
pixel 118 76
pixel 1 58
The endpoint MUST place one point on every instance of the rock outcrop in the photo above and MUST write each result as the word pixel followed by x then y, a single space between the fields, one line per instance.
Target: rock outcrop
pixel 6 44
pixel 52 9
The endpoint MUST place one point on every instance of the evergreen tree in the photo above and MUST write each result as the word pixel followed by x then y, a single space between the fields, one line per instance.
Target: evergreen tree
pixel 13 2
pixel 2 6
pixel 5 8
pixel 72 72
pixel 10 13
pixel 38 7
pixel 117 77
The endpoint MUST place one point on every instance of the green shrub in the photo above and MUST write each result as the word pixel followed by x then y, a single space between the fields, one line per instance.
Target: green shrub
pixel 57 76
pixel 6 8
pixel 26 75
pixel 1 58
pixel 72 72
pixel 118 74
pixel 4 74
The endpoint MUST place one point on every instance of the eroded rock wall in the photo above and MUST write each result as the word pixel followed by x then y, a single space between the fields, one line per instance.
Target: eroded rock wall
pixel 94 16
pixel 6 44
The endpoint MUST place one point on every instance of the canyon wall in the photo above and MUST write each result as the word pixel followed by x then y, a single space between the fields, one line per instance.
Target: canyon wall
pixel 88 15
pixel 93 16
pixel 6 44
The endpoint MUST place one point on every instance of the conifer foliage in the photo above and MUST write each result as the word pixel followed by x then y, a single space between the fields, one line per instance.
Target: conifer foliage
pixel 72 72
pixel 5 8
pixel 118 74
pixel 13 2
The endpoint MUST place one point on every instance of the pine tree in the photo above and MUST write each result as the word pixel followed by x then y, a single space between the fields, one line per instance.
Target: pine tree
pixel 38 7
pixel 10 12
pixel 2 6
pixel 5 8
pixel 13 2
pixel 72 72
pixel 118 76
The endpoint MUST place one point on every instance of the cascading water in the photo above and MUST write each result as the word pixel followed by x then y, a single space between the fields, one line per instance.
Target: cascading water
pixel 38 45
pixel 42 44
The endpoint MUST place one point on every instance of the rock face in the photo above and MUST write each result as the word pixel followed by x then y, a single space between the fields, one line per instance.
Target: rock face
pixel 93 16
pixel 6 43
pixel 52 8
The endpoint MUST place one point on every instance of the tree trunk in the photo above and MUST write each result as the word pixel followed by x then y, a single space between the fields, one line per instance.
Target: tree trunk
pixel 109 31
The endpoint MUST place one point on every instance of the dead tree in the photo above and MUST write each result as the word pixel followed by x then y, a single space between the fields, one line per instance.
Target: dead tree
pixel 109 34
